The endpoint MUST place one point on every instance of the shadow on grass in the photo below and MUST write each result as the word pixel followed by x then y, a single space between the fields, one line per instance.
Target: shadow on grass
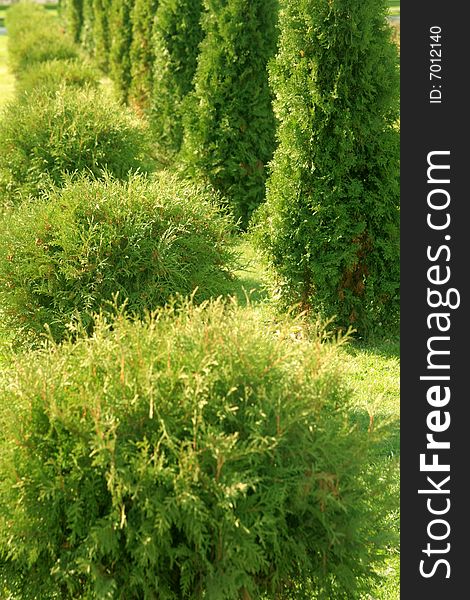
pixel 249 290
pixel 384 347
pixel 385 431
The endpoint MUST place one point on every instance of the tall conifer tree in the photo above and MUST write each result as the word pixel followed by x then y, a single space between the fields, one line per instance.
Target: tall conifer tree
pixel 87 30
pixel 229 122
pixel 120 40
pixel 142 52
pixel 177 36
pixel 330 225
pixel 101 33
pixel 72 10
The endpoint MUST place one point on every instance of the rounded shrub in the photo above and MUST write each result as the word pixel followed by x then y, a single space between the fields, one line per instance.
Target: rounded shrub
pixel 177 35
pixel 196 455
pixel 35 37
pixel 229 125
pixel 67 255
pixel 21 15
pixel 330 225
pixel 51 75
pixel 44 137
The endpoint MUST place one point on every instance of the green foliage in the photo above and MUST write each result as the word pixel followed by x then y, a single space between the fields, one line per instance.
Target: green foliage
pixel 177 36
pixel 101 33
pixel 65 256
pixel 142 52
pixel 330 225
pixel 88 22
pixel 229 122
pixel 52 74
pixel 120 32
pixel 20 16
pixel 196 455
pixel 72 12
pixel 35 36
pixel 43 137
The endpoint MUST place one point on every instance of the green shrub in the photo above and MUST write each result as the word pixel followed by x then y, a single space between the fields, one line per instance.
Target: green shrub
pixel 177 35
pixel 43 137
pixel 120 29
pixel 199 454
pixel 70 253
pixel 142 52
pixel 51 75
pixel 331 222
pixel 229 122
pixel 35 37
pixel 20 16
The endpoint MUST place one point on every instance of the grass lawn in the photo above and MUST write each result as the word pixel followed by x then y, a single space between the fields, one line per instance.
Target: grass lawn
pixel 373 372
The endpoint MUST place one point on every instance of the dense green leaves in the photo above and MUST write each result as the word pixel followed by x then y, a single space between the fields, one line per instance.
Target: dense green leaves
pixel 177 36
pixel 44 137
pixel 198 455
pixel 142 53
pixel 101 32
pixel 35 36
pixel 331 222
pixel 68 254
pixel 120 39
pixel 51 75
pixel 229 123
pixel 87 30
pixel 72 12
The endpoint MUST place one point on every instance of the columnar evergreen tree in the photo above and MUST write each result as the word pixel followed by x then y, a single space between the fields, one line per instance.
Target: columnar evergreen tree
pixel 120 39
pixel 72 11
pixel 330 225
pixel 229 122
pixel 101 11
pixel 87 30
pixel 177 36
pixel 142 52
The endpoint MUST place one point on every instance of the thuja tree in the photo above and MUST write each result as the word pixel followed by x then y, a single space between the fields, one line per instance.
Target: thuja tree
pixel 72 11
pixel 330 225
pixel 142 52
pixel 87 29
pixel 177 36
pixel 101 11
pixel 120 39
pixel 229 122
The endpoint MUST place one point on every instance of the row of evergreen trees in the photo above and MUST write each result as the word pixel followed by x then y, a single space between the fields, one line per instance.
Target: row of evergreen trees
pixel 206 72
pixel 198 69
